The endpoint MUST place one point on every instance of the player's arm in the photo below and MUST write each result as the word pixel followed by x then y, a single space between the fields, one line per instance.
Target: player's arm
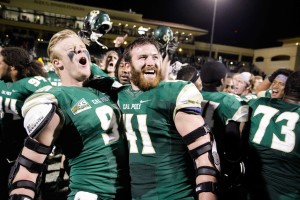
pixel 41 123
pixel 165 68
pixel 167 51
pixel 263 86
pixel 200 143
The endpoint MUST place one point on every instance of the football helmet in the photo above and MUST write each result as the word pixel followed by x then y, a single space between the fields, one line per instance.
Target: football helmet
pixel 163 34
pixel 96 23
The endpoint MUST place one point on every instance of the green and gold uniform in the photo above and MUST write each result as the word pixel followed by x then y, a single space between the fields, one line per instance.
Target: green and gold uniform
pixel 274 157
pixel 54 78
pixel 160 166
pixel 5 167
pixel 218 109
pixel 92 138
pixel 222 108
pixel 248 97
pixel 12 97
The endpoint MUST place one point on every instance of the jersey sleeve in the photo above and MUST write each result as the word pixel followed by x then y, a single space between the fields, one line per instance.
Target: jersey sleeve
pixel 239 109
pixel 95 69
pixel 38 98
pixel 188 97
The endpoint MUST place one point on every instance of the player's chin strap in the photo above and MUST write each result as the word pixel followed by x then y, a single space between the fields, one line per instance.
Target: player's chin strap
pixel 94 38
pixel 209 147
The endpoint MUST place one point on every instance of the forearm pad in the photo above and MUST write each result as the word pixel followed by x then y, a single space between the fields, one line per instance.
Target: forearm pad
pixel 30 165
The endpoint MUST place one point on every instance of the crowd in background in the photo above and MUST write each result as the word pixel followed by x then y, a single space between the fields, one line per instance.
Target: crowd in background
pixel 250 118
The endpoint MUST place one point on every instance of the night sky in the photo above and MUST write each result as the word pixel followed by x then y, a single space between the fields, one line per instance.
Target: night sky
pixel 243 23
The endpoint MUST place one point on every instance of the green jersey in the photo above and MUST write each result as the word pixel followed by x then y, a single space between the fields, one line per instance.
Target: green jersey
pixel 13 98
pixel 93 140
pixel 54 78
pixel 96 70
pixel 274 158
pixel 248 97
pixel 160 166
pixel 218 108
pixel 266 93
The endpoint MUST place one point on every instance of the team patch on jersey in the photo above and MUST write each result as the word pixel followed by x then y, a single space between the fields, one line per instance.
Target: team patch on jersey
pixel 80 106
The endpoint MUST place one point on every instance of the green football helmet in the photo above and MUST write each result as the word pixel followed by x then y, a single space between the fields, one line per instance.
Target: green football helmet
pixel 163 34
pixel 97 21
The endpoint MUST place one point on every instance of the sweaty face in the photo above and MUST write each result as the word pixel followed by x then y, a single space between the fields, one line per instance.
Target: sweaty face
pixel 277 89
pixel 74 61
pixel 145 67
pixel 4 70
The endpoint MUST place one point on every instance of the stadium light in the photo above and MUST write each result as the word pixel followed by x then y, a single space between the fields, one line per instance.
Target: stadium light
pixel 212 29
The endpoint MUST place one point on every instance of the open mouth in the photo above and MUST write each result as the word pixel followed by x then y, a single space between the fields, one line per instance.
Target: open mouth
pixel 83 61
pixel 274 92
pixel 149 73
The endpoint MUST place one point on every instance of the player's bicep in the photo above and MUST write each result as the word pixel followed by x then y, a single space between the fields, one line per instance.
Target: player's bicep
pixel 50 131
pixel 186 122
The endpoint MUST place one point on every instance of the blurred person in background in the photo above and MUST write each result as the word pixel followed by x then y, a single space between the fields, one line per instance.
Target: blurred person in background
pixel 190 73
pixel 25 76
pixel 226 114
pixel 228 85
pixel 243 85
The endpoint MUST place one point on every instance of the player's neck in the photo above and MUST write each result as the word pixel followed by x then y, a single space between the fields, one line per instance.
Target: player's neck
pixel 134 87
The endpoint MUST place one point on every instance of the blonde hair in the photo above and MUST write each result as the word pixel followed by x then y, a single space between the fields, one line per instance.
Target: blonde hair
pixel 66 33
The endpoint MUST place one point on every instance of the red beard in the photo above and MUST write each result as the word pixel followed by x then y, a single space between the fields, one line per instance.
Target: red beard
pixel 141 82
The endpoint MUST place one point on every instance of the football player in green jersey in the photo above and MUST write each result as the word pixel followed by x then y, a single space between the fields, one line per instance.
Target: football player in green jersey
pixel 224 113
pixel 163 124
pixel 84 121
pixel 273 86
pixel 274 154
pixel 243 85
pixel 24 76
pixel 190 73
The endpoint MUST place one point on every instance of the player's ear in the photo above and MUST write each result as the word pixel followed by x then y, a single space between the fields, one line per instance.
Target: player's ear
pixel 57 63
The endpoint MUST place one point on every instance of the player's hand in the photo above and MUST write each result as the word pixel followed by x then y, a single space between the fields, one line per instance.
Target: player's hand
pixel 120 40
pixel 171 48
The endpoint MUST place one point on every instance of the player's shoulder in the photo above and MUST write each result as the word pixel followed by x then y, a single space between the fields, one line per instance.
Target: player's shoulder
pixel 262 101
pixel 174 84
